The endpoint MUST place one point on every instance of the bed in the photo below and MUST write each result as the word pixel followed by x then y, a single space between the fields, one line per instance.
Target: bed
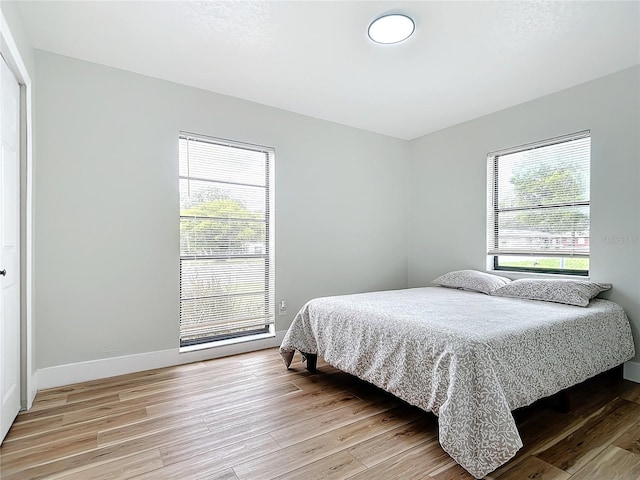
pixel 468 357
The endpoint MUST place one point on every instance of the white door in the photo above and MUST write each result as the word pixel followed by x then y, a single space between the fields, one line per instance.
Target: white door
pixel 9 248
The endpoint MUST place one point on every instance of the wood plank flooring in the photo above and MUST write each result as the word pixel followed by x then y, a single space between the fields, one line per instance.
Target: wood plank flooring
pixel 247 417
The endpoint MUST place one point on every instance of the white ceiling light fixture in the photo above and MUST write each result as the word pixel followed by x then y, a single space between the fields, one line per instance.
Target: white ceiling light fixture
pixel 392 28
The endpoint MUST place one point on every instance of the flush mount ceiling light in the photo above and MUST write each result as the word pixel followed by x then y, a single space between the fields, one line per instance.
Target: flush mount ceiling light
pixel 393 28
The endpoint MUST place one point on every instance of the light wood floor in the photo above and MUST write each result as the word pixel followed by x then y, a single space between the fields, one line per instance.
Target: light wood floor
pixel 247 417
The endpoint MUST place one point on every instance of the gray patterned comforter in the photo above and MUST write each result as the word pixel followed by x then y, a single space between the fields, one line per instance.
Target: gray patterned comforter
pixel 467 357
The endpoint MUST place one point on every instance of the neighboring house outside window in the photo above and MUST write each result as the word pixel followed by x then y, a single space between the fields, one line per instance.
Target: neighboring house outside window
pixel 538 206
pixel 226 241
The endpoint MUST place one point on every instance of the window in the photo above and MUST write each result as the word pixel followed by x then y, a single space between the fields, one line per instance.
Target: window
pixel 538 206
pixel 226 240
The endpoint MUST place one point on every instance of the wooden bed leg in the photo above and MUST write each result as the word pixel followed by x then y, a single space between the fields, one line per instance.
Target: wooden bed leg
pixel 618 371
pixel 312 361
pixel 564 400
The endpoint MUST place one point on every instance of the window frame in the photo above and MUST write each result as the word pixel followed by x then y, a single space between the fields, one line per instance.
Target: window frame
pixel 268 330
pixel 494 211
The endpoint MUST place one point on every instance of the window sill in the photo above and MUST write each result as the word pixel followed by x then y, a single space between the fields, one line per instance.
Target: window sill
pixel 518 275
pixel 230 341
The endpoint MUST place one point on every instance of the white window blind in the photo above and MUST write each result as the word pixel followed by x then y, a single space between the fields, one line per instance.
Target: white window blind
pixel 226 239
pixel 539 205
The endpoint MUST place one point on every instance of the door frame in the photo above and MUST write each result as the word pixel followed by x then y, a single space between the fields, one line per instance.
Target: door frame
pixel 11 54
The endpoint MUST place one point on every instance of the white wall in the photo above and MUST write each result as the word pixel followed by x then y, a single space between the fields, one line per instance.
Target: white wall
pixel 447 186
pixel 107 206
pixel 107 199
pixel 14 19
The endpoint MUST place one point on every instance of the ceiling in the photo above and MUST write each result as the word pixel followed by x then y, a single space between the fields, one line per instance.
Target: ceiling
pixel 465 60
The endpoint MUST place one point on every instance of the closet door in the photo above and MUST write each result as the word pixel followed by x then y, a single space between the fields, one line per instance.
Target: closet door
pixel 9 248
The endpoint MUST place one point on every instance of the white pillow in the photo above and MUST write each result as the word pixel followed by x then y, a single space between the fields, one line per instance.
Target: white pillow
pixel 570 292
pixel 472 280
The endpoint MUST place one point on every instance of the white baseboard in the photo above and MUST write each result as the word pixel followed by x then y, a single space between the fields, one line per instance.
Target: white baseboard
pixel 109 367
pixel 632 371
